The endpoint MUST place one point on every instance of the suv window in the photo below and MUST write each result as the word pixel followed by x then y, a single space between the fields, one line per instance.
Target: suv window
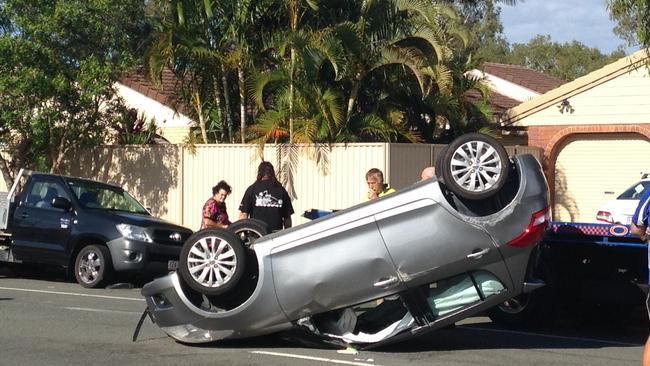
pixel 41 194
pixel 103 196
pixel 635 192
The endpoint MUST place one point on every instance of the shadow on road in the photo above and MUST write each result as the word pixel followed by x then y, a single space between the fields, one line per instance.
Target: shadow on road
pixel 58 274
pixel 471 336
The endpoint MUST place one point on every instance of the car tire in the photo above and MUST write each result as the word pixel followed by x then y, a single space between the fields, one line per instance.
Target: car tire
pixel 473 166
pixel 249 230
pixel 530 310
pixel 212 261
pixel 439 156
pixel 93 266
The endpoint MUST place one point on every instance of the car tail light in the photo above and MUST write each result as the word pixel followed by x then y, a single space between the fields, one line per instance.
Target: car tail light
pixel 534 231
pixel 605 216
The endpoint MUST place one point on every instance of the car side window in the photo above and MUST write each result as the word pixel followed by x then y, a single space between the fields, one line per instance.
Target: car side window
pixel 458 292
pixel 41 194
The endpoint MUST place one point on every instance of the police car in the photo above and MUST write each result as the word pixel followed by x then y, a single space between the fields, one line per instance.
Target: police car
pixel 621 209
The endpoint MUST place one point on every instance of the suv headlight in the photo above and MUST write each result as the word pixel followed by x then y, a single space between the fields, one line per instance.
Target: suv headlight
pixel 134 232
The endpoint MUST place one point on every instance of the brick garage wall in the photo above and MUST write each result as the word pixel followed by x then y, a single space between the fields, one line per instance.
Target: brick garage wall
pixel 550 138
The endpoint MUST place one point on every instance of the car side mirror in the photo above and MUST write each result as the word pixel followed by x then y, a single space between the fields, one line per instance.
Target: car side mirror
pixel 62 203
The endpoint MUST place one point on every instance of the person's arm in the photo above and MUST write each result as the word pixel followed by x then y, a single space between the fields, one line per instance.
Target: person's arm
pixel 246 203
pixel 639 224
pixel 208 222
pixel 287 209
pixel 638 230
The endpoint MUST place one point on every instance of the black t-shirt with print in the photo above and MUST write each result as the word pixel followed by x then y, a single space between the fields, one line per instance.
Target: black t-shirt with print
pixel 267 201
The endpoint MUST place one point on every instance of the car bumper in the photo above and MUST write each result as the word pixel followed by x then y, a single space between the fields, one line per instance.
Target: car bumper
pixel 132 255
pixel 196 322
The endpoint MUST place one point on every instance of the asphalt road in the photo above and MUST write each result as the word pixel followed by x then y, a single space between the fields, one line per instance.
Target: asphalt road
pixel 47 321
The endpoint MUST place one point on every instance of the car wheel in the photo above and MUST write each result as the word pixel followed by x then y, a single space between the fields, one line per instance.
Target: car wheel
pixel 249 230
pixel 473 166
pixel 93 266
pixel 528 310
pixel 439 156
pixel 212 261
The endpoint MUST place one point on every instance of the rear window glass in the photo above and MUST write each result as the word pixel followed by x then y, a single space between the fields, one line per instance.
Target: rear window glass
pixel 635 192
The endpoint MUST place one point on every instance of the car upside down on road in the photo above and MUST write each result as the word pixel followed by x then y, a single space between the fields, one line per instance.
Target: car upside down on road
pixel 396 267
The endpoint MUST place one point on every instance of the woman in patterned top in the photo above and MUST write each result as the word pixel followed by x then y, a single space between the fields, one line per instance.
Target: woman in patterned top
pixel 214 210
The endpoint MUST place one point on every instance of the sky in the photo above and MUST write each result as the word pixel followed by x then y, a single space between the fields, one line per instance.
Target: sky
pixel 586 21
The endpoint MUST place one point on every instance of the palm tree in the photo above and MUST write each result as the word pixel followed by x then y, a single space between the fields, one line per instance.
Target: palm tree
pixel 295 10
pixel 182 42
pixel 295 106
pixel 208 45
pixel 407 34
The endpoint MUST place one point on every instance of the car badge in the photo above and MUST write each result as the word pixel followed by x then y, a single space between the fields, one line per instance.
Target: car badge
pixel 175 236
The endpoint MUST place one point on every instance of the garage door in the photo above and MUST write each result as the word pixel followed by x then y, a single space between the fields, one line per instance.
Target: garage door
pixel 592 169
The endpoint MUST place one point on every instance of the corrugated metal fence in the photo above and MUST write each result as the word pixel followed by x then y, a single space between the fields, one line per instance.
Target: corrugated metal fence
pixel 175 181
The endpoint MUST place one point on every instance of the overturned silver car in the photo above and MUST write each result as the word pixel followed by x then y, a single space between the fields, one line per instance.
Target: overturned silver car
pixel 410 262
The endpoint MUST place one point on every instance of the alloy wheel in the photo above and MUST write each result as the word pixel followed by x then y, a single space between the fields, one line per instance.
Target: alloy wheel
pixel 90 266
pixel 476 166
pixel 212 261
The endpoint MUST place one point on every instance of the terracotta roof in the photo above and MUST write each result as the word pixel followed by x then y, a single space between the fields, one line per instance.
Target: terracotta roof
pixel 499 103
pixel 523 76
pixel 164 94
pixel 578 85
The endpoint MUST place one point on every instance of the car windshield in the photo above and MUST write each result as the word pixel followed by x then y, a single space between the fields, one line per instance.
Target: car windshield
pixel 635 192
pixel 106 197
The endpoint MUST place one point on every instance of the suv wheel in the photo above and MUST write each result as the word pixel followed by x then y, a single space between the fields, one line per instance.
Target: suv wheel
pixel 93 266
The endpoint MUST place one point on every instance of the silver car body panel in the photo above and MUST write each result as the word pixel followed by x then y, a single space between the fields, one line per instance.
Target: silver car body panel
pixel 412 237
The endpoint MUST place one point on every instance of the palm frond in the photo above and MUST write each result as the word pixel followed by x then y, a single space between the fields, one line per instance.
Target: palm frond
pixel 403 57
pixel 435 39
pixel 269 126
pixel 348 34
pixel 260 81
pixel 289 157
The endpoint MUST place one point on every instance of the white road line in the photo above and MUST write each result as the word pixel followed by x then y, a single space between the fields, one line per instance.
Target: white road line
pixel 552 336
pixel 70 294
pixel 103 310
pixel 321 359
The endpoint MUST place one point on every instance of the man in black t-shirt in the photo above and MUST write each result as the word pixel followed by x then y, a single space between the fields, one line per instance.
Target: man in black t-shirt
pixel 267 200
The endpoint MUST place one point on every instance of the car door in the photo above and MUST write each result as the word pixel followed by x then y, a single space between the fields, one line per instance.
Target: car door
pixel 40 232
pixel 428 243
pixel 345 263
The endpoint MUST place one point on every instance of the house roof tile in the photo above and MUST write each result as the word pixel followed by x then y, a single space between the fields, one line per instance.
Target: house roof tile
pixel 164 94
pixel 521 75
pixel 499 103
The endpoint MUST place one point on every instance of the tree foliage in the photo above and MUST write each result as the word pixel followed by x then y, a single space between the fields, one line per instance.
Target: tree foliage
pixel 566 61
pixel 267 70
pixel 58 63
pixel 483 22
pixel 633 20
pixel 302 71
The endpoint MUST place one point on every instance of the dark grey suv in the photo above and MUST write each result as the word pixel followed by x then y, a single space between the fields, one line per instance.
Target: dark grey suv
pixel 92 228
pixel 410 262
